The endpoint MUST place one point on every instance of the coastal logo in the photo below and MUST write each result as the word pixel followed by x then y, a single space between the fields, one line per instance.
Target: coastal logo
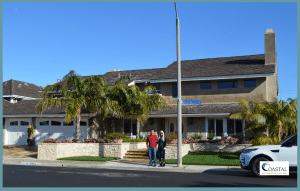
pixel 274 168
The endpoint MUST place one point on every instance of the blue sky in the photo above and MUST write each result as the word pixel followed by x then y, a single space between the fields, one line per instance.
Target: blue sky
pixel 44 41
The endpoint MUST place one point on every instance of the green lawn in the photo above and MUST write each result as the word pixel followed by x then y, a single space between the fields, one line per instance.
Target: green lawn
pixel 89 158
pixel 209 158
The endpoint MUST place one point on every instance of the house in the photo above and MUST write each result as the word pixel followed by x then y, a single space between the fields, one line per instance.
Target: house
pixel 218 82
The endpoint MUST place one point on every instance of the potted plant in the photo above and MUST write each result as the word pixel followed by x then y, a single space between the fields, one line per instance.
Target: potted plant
pixel 116 137
pixel 30 130
pixel 196 138
pixel 171 138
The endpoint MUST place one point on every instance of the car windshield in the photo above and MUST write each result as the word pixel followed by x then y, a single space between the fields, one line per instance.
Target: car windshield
pixel 291 137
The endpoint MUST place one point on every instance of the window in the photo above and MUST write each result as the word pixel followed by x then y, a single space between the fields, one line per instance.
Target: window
pixel 57 96
pixel 211 126
pixel 171 127
pixel 44 123
pixel 157 87
pixel 3 121
pixel 238 126
pixel 24 123
pixel 205 85
pixel 14 123
pixel 249 83
pixel 55 123
pixel 219 127
pixel 230 127
pixel 229 84
pixel 68 124
pixel 174 90
pixel 83 123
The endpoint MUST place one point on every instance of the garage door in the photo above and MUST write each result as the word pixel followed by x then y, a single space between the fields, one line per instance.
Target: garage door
pixel 58 129
pixel 16 132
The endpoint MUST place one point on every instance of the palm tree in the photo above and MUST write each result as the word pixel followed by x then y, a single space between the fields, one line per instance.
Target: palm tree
pixel 282 117
pixel 251 112
pixel 134 102
pixel 78 93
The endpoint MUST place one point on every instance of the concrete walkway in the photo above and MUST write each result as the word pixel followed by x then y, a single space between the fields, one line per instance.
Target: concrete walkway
pixel 119 165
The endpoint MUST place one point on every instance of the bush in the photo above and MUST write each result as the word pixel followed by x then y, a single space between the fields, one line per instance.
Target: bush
pixel 265 140
pixel 50 140
pixel 93 140
pixel 116 136
pixel 229 141
pixel 134 140
pixel 66 141
pixel 30 130
pixel 210 136
pixel 171 136
pixel 197 136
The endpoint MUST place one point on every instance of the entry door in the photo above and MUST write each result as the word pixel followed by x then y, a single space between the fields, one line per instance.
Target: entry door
pixel 219 127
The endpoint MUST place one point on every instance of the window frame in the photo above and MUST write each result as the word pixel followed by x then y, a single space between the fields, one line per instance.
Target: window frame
pixel 205 83
pixel 235 82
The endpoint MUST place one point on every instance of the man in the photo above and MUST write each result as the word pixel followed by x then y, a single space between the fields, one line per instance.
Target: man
pixel 151 145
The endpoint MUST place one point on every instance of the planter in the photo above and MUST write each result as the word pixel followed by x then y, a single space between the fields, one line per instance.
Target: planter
pixel 117 140
pixel 172 141
pixel 30 142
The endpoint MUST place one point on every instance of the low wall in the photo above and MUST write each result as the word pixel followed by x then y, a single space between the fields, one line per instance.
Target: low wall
pixel 139 145
pixel 53 151
pixel 171 150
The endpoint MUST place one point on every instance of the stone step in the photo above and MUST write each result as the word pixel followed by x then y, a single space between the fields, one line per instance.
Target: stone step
pixel 135 157
pixel 137 153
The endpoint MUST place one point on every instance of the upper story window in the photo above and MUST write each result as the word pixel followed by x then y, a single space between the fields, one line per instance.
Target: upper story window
pixel 157 87
pixel 228 84
pixel 174 90
pixel 14 123
pixel 56 96
pixel 24 123
pixel 205 85
pixel 249 83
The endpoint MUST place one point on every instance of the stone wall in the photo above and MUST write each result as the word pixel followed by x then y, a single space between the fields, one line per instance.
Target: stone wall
pixel 53 151
pixel 141 145
pixel 171 151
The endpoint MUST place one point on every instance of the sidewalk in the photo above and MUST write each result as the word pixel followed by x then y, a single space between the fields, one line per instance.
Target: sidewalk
pixel 122 165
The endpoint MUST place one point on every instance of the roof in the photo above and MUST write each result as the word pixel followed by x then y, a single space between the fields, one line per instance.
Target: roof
pixel 211 67
pixel 14 87
pixel 200 109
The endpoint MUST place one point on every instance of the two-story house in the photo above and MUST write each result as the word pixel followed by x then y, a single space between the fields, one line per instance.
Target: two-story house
pixel 218 82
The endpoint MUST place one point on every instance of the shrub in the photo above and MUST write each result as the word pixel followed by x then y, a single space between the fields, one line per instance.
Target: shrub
pixel 171 136
pixel 229 141
pixel 50 140
pixel 75 140
pixel 264 140
pixel 66 141
pixel 93 140
pixel 210 136
pixel 197 136
pixel 116 136
pixel 30 130
pixel 134 140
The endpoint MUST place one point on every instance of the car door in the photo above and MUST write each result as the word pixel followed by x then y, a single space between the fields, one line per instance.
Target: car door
pixel 288 151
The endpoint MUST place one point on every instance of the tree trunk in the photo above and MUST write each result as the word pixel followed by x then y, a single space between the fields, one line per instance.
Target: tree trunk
pixel 78 126
pixel 138 126
pixel 268 134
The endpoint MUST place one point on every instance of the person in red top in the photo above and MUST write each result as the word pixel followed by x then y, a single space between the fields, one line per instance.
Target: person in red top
pixel 151 145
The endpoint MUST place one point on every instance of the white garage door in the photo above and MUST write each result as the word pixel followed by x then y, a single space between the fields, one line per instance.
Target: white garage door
pixel 16 132
pixel 58 129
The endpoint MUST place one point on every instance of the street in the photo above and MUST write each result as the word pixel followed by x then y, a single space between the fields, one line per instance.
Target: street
pixel 39 176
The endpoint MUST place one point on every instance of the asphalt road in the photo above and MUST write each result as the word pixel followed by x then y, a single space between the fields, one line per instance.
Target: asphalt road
pixel 39 176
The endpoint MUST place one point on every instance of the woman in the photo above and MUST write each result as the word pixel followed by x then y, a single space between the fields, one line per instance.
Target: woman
pixel 161 147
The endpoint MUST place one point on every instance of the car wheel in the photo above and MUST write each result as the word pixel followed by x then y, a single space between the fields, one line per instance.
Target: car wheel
pixel 255 165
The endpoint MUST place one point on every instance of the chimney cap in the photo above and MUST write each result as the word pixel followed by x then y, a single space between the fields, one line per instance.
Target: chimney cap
pixel 120 70
pixel 112 70
pixel 270 31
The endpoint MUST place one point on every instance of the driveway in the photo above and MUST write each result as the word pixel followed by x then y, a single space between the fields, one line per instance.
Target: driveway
pixel 17 151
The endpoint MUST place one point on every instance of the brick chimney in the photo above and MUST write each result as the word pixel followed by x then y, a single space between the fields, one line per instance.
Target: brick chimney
pixel 270 47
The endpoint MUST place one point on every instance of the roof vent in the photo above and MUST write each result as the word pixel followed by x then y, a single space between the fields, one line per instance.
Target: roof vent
pixel 112 70
pixel 120 70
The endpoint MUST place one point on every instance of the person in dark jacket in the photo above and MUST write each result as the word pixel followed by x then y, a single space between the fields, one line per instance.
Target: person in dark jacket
pixel 161 148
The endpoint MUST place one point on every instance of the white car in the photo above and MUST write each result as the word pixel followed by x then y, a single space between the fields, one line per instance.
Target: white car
pixel 284 151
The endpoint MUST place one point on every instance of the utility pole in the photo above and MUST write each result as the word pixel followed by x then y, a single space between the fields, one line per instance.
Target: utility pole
pixel 179 118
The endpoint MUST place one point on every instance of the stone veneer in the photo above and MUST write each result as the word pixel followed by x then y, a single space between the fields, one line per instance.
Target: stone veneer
pixel 53 151
pixel 171 150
